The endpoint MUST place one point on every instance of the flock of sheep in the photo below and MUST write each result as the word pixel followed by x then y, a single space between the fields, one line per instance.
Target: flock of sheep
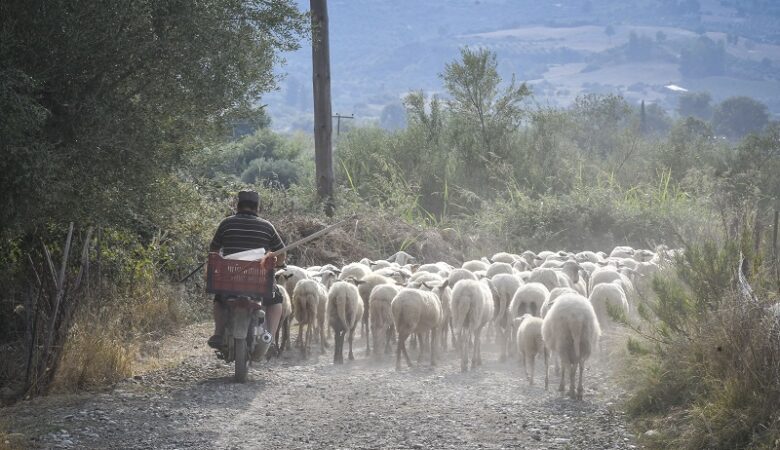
pixel 536 304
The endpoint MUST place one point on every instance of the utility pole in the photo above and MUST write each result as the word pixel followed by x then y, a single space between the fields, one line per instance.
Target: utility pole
pixel 323 123
pixel 338 121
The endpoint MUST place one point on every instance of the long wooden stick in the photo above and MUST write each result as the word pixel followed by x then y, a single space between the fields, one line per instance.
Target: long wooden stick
pixel 312 237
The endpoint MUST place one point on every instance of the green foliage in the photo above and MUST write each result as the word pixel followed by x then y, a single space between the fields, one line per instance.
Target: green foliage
pixel 484 113
pixel 736 117
pixel 108 96
pixel 703 58
pixel 707 369
pixel 263 157
pixel 695 104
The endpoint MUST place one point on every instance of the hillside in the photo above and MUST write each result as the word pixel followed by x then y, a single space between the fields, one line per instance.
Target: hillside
pixel 380 51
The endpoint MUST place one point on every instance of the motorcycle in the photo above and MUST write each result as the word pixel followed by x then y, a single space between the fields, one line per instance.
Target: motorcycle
pixel 245 339
pixel 241 284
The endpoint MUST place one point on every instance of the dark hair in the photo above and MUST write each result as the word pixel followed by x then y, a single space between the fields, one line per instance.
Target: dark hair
pixel 244 205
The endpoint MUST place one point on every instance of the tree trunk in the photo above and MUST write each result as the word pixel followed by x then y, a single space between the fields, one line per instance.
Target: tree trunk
pixel 323 126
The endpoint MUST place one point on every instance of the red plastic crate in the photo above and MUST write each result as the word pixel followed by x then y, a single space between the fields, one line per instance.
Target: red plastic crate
pixel 234 277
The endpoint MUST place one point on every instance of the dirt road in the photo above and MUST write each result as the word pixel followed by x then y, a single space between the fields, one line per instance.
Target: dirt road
pixel 290 403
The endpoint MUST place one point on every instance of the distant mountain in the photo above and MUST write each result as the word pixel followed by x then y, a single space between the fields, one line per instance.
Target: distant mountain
pixel 380 50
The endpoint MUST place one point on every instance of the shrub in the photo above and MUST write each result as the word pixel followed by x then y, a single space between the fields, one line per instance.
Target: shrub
pixel 711 377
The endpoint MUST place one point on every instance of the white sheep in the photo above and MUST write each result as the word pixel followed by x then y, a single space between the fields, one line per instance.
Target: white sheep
pixel 504 257
pixel 290 276
pixel 475 265
pixel 418 278
pixel 472 309
pixel 622 252
pixel 307 297
pixel 431 267
pixel 345 309
pixel 415 311
pixel 444 293
pixel 550 278
pixel 571 330
pixel 605 296
pixel 328 277
pixel 380 299
pixel 365 286
pixel 609 274
pixel 284 324
pixel 402 258
pixel 505 286
pixel 554 294
pixel 499 267
pixel 528 299
pixel 530 343
pixel 354 270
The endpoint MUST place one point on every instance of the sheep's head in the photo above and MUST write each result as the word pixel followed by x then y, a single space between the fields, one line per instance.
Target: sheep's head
pixel 354 281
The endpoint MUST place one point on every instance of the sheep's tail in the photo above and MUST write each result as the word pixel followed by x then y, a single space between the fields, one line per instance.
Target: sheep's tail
pixel 461 314
pixel 577 328
pixel 341 310
pixel 502 302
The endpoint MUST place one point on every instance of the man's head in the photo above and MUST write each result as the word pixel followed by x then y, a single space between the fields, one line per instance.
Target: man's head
pixel 248 201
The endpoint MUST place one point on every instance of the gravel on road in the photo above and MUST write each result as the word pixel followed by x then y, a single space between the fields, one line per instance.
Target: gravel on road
pixel 192 403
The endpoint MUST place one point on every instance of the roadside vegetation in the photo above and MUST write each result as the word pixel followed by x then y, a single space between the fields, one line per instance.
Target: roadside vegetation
pixel 145 164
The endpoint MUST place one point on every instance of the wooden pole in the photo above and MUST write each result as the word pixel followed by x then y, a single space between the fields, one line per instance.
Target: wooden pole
pixel 323 123
pixel 774 249
pixel 774 235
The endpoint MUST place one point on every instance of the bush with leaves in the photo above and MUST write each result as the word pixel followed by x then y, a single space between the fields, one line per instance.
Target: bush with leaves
pixel 705 372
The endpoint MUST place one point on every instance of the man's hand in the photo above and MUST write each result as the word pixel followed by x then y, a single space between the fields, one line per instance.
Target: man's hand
pixel 269 260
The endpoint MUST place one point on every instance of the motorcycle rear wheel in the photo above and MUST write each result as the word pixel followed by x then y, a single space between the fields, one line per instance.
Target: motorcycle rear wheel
pixel 242 360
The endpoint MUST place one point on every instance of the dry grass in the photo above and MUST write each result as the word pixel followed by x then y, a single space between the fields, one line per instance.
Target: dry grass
pixel 106 337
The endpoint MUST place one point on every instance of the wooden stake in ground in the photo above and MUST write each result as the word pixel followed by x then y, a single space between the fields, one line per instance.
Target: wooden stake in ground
pixel 323 123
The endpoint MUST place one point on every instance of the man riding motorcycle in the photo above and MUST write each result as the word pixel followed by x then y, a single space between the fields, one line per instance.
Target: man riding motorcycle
pixel 240 232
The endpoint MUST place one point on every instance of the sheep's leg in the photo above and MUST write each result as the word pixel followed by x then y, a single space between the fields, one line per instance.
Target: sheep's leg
pixel 338 338
pixel 413 342
pixel 388 341
pixel 433 347
pixel 454 336
pixel 532 360
pixel 398 346
pixel 562 386
pixel 572 378
pixel 546 369
pixel 403 348
pixel 351 337
pixel 579 386
pixel 475 351
pixel 307 339
pixel 299 342
pixel 464 352
pixel 477 361
pixel 423 338
pixel 285 335
pixel 374 330
pixel 323 341
pixel 502 342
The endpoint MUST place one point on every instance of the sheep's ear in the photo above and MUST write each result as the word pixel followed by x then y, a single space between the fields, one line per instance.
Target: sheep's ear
pixel 337 271
pixel 426 285
pixel 445 284
pixel 287 276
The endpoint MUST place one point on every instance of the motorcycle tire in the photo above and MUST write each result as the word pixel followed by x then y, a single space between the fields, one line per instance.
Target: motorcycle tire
pixel 242 360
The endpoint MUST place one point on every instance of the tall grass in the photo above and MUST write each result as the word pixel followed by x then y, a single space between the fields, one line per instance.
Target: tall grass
pixel 707 373
pixel 107 333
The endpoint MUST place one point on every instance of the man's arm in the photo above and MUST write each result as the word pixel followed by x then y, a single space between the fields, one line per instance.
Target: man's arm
pixel 277 244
